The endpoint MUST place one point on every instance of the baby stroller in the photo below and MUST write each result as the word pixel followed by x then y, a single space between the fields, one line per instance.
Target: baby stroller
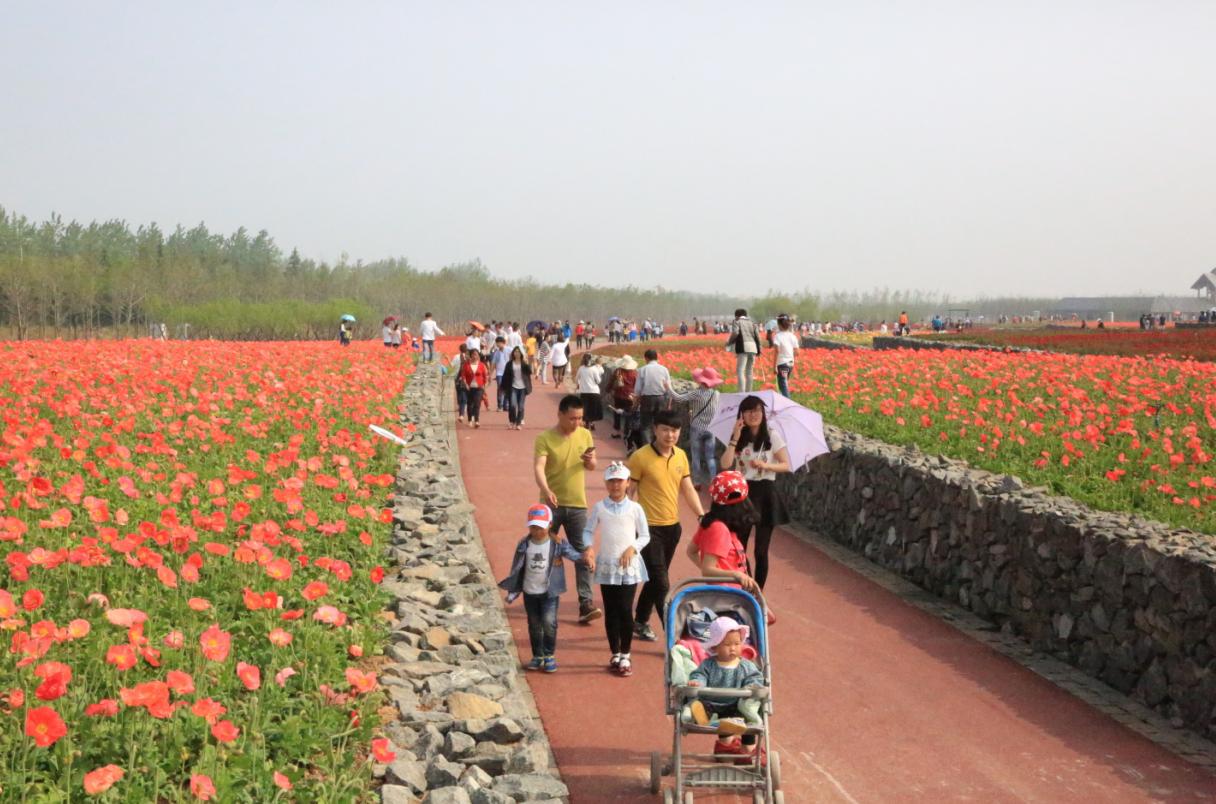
pixel 692 601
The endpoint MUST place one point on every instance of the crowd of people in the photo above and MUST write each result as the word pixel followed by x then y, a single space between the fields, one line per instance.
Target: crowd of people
pixel 622 546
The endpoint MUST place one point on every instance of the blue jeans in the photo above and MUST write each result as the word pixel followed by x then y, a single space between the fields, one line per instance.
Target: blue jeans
pixel 573 521
pixel 783 378
pixel 703 446
pixel 542 624
pixel 516 399
pixel 462 399
pixel 428 351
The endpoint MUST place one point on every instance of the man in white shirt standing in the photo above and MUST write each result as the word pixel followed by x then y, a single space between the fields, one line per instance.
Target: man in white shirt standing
pixel 513 337
pixel 653 381
pixel 429 330
pixel 786 343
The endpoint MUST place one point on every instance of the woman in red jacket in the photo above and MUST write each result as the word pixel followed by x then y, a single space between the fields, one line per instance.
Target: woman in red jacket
pixel 473 372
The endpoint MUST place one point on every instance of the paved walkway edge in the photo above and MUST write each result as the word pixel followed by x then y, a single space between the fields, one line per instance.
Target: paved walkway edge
pixel 467 730
pixel 1136 717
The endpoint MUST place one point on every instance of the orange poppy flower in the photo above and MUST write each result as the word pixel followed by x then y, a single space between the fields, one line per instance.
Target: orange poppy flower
pixel 44 726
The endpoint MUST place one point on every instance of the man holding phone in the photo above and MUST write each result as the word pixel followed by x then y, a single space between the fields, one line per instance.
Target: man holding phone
pixel 563 454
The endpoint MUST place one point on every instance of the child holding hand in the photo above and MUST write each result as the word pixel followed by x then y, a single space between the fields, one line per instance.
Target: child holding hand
pixel 727 668
pixel 619 570
pixel 537 574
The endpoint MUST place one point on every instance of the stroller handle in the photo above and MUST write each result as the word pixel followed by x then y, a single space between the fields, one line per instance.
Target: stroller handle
pixel 758 595
pixel 688 692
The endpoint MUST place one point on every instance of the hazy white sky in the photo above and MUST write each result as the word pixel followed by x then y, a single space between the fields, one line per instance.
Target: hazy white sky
pixel 969 147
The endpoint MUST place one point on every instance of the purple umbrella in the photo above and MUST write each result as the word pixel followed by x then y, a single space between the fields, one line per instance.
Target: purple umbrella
pixel 800 427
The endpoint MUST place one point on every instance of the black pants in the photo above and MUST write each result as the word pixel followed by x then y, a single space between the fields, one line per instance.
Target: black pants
pixel 763 494
pixel 647 407
pixel 657 555
pixel 474 397
pixel 618 615
pixel 764 535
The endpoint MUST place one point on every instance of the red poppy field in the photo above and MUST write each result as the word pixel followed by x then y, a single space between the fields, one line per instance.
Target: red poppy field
pixel 190 536
pixel 1120 434
pixel 1126 341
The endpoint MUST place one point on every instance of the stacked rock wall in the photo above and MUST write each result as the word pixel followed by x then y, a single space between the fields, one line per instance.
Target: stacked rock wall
pixel 1128 601
pixel 467 729
pixel 908 342
pixel 813 342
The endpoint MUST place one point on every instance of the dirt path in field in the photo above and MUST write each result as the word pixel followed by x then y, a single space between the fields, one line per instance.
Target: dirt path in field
pixel 875 700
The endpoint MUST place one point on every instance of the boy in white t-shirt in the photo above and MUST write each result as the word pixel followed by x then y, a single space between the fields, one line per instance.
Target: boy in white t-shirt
pixel 537 574
pixel 786 343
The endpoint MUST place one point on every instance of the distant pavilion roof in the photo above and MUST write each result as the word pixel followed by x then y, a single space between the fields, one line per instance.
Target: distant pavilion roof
pixel 1206 282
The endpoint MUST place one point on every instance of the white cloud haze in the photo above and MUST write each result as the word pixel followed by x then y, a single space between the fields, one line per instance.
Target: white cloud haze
pixel 974 148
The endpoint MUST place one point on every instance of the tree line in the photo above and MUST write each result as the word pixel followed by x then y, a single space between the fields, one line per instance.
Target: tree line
pixel 67 279
pixel 102 279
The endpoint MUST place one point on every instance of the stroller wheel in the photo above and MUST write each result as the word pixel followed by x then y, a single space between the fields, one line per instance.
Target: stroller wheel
pixel 778 797
pixel 669 797
pixel 656 771
pixel 758 797
pixel 687 797
pixel 774 769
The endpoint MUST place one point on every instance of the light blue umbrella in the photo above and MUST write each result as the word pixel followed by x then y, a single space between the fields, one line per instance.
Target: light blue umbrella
pixel 800 427
pixel 770 325
pixel 348 317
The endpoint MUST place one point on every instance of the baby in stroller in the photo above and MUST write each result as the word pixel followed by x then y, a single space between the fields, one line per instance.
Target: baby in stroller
pixel 719 681
pixel 727 668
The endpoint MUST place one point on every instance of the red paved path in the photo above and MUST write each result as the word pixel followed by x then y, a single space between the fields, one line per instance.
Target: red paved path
pixel 875 700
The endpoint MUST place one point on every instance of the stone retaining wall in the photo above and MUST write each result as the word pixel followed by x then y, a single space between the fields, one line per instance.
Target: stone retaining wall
pixel 911 342
pixel 813 342
pixel 468 731
pixel 1128 601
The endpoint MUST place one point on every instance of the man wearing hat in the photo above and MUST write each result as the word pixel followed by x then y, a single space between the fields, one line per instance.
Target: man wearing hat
pixel 702 407
pixel 624 397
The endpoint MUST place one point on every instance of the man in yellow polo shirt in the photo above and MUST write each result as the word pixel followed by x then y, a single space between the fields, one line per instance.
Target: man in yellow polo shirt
pixel 659 474
pixel 562 454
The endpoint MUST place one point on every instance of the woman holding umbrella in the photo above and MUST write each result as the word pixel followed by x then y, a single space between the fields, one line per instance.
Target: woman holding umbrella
pixel 760 454
pixel 344 329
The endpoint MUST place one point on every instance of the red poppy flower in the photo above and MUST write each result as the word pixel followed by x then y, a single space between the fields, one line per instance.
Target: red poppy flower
pixel 107 707
pixel 102 779
pixel 249 674
pixel 201 787
pixel 215 643
pixel 32 599
pixel 382 750
pixel 44 726
pixel 225 731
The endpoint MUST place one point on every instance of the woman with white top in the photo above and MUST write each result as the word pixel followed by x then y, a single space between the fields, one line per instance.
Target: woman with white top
pixel 760 454
pixel 588 381
pixel 462 390
pixel 559 358
pixel 786 343
pixel 618 562
pixel 517 379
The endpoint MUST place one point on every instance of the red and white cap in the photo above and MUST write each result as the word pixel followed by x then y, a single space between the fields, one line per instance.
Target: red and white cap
pixel 540 516
pixel 728 488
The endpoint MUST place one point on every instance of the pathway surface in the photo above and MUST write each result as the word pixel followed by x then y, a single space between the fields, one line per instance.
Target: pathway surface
pixel 875 700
